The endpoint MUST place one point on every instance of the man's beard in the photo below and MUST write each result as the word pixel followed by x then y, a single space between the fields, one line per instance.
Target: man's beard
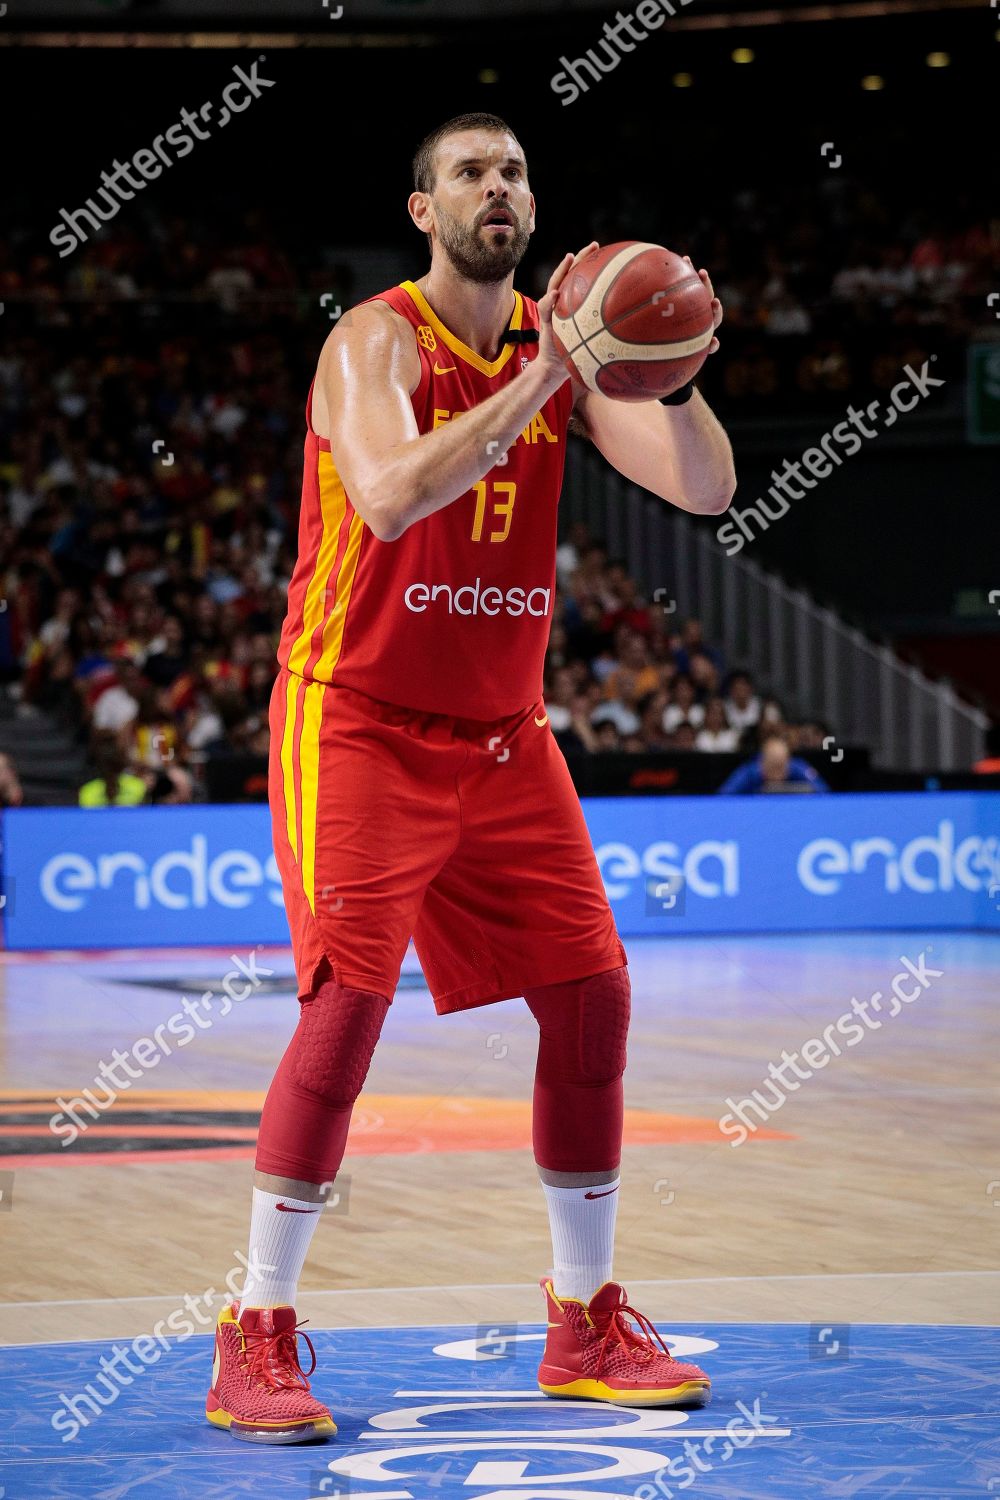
pixel 478 256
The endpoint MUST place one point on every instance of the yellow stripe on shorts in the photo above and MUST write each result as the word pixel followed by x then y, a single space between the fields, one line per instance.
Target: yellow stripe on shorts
pixel 312 718
pixel 288 762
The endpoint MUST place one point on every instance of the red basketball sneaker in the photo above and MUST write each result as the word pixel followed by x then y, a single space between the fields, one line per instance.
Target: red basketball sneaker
pixel 259 1390
pixel 594 1353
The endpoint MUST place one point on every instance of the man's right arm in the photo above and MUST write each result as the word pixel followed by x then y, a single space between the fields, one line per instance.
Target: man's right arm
pixel 393 474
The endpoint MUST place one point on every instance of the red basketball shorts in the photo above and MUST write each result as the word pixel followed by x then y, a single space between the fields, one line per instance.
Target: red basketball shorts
pixel 467 835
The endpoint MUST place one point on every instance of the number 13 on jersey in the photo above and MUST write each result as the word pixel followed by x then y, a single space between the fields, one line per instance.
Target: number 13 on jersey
pixel 504 493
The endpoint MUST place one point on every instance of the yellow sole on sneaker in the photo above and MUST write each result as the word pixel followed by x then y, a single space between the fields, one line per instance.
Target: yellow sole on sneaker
pixel 692 1391
pixel 273 1432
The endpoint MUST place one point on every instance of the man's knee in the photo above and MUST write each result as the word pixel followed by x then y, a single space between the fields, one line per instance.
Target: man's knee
pixel 584 1027
pixel 334 1042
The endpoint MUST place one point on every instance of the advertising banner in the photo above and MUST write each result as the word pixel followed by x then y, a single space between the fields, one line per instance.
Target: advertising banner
pixel 138 877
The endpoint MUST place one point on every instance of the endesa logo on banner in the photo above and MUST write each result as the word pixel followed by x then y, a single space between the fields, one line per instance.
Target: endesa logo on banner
pixel 927 864
pixel 773 864
pixel 125 877
pixel 149 876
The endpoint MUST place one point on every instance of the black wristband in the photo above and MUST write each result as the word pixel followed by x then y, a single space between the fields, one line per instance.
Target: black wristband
pixel 677 398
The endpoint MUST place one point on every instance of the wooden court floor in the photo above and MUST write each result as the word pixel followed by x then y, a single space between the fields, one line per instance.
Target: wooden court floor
pixel 868 1193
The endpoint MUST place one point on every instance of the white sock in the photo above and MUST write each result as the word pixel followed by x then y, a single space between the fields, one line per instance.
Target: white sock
pixel 582 1220
pixel 279 1242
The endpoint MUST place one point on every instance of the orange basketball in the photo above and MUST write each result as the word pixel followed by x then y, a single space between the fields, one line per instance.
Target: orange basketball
pixel 633 321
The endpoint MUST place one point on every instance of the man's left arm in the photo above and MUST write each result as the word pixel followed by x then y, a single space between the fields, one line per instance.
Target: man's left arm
pixel 680 453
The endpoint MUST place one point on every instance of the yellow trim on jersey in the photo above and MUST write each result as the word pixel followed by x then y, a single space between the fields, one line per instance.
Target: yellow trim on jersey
pixel 333 508
pixel 288 763
pixel 484 366
pixel 333 628
pixel 312 718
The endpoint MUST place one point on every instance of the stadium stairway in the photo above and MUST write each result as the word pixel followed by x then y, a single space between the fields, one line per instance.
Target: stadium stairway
pixel 50 764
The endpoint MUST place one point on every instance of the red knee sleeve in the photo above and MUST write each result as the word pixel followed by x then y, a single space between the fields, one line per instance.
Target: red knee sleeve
pixel 307 1112
pixel 579 1100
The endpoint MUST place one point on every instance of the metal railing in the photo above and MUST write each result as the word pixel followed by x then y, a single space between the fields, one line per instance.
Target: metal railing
pixel 800 651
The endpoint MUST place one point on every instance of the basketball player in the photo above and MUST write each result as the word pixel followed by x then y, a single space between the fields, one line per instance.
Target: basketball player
pixel 415 785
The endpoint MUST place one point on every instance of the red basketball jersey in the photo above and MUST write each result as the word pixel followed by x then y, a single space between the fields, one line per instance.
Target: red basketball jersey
pixel 453 617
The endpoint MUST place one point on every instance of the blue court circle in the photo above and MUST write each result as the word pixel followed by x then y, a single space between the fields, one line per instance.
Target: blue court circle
pixel 870 1411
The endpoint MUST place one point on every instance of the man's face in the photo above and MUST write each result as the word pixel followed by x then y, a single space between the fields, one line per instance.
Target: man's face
pixel 481 210
pixel 774 761
pixel 701 668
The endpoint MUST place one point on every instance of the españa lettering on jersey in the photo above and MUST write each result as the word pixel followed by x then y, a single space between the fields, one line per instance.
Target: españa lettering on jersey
pixel 453 617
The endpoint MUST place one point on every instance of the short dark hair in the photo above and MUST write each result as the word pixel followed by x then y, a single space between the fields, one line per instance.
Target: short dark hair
pixel 425 163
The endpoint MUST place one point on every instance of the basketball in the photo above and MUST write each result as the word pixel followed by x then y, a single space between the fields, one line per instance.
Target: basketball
pixel 633 321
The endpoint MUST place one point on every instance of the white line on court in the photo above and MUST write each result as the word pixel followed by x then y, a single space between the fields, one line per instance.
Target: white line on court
pixel 107 1338
pixel 508 1286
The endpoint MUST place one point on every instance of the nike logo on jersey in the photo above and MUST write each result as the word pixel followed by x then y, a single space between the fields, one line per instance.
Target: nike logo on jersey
pixel 602 1195
pixel 283 1208
pixel 541 722
pixel 438 370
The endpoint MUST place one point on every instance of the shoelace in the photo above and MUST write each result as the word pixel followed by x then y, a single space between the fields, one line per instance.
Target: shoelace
pixel 274 1358
pixel 640 1346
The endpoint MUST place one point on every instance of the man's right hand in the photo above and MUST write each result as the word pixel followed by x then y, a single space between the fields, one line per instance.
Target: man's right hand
pixel 549 360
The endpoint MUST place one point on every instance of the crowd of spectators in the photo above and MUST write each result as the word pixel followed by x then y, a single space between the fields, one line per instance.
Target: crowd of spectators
pixel 156 646
pixel 151 419
pixel 623 675
pixel 823 295
pixel 157 671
